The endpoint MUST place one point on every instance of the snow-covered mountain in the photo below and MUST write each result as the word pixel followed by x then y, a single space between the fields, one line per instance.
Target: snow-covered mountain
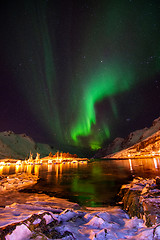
pixel 138 136
pixel 115 146
pixel 19 146
pixel 149 147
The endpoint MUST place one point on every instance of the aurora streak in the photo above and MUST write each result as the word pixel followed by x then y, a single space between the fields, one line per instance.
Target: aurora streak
pixel 82 70
pixel 103 84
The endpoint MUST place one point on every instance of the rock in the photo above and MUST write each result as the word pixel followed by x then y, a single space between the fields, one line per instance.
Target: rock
pixel 158 182
pixel 98 222
pixel 112 224
pixel 102 234
pixel 66 215
pixel 156 233
pixel 132 204
pixel 21 232
pixel 17 181
pixel 142 199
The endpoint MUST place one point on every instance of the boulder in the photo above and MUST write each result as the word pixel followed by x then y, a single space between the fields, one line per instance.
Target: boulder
pixel 141 198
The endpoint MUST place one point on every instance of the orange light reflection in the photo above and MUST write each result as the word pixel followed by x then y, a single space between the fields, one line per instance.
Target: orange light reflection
pixel 36 170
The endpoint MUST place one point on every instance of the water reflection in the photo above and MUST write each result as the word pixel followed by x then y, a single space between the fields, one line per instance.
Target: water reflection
pixel 1 169
pixel 85 190
pixel 89 184
pixel 130 165
pixel 18 168
pixel 57 172
pixel 145 167
pixel 30 168
pixel 155 162
pixel 74 164
pixel 36 170
pixel 60 170
pixel 49 167
pixel 98 168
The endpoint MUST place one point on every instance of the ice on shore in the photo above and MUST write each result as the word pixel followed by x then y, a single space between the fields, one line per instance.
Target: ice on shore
pixel 39 216
pixel 21 232
pixel 111 223
pixel 16 181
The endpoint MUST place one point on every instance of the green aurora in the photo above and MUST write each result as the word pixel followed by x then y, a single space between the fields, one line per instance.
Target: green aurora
pixel 68 67
pixel 105 83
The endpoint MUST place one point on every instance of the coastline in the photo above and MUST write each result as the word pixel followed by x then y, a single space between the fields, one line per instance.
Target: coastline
pixel 25 216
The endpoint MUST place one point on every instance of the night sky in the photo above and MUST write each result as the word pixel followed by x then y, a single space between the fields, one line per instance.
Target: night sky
pixel 77 74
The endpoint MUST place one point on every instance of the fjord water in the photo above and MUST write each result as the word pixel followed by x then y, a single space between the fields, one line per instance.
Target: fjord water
pixel 90 184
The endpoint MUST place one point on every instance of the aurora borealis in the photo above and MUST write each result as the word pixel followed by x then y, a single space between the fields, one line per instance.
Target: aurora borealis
pixel 103 84
pixel 79 73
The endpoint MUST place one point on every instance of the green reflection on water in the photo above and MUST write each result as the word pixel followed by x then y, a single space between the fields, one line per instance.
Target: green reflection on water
pixel 81 186
pixel 96 170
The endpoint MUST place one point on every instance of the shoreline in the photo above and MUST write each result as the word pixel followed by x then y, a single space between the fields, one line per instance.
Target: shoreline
pixel 30 214
pixel 6 161
pixel 17 181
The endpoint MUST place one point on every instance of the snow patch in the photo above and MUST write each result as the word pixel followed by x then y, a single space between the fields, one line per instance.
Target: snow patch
pixel 20 233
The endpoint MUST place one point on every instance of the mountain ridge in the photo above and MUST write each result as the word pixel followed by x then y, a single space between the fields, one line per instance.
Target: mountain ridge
pixel 135 137
pixel 19 146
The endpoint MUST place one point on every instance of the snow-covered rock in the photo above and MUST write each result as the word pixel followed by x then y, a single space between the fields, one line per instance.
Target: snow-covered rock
pixel 106 224
pixel 20 232
pixel 39 216
pixel 66 215
pixel 156 233
pixel 98 222
pixel 142 201
pixel 111 223
pixel 17 181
